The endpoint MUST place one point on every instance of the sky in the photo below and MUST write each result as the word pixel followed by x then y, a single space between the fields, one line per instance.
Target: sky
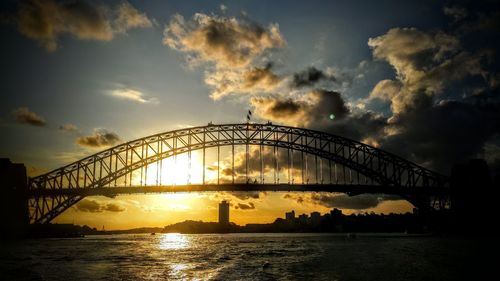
pixel 419 79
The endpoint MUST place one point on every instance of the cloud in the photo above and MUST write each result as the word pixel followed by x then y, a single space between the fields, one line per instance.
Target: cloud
pixel 223 8
pixel 310 76
pixel 247 195
pixel 46 21
pixel 243 206
pixel 456 12
pixel 386 89
pixel 68 127
pixel 283 110
pixel 129 17
pixel 315 106
pixel 444 105
pixel 133 95
pixel 225 41
pixel 424 63
pixel 447 133
pixel 321 110
pixel 343 201
pixel 87 205
pixel 363 201
pixel 100 138
pixel 25 116
pixel 33 171
pixel 232 49
pixel 93 206
pixel 225 82
pixel 112 207
pixel 260 78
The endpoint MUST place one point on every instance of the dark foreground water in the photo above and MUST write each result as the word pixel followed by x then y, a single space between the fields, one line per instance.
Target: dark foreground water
pixel 249 257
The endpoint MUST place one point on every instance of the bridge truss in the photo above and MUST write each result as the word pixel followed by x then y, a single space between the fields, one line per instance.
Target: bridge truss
pixel 299 160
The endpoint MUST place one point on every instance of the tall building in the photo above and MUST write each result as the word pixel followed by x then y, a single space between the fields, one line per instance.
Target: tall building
pixel 303 218
pixel 336 213
pixel 224 212
pixel 315 218
pixel 290 216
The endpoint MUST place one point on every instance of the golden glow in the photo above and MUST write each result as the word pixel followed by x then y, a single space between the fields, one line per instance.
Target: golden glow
pixel 179 270
pixel 176 170
pixel 173 241
pixel 159 210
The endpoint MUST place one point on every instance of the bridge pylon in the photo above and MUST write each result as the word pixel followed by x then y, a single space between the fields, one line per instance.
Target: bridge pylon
pixel 14 213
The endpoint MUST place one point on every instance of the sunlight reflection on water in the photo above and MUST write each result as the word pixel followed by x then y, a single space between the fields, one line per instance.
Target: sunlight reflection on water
pixel 293 256
pixel 173 241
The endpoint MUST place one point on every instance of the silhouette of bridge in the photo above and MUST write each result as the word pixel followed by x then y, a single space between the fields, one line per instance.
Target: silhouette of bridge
pixel 268 158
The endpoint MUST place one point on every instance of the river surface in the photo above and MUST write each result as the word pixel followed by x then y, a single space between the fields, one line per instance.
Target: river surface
pixel 249 257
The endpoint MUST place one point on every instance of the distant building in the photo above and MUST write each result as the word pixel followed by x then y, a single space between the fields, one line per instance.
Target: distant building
pixel 290 216
pixel 315 218
pixel 303 218
pixel 335 213
pixel 224 212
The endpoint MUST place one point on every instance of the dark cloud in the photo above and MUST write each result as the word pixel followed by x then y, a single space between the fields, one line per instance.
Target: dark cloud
pixel 260 77
pixel 343 201
pixel 299 199
pixel 316 106
pixel 88 205
pixel 310 77
pixel 290 166
pixel 447 133
pixel 246 80
pixel 100 138
pixel 456 12
pixel 25 116
pixel 363 201
pixel 366 127
pixel 254 167
pixel 444 97
pixel 45 21
pixel 325 111
pixel 247 195
pixel 243 206
pixel 284 110
pixel 112 207
pixel 93 206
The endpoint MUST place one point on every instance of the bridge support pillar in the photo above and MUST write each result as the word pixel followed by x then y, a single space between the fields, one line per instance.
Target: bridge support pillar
pixel 14 214
pixel 473 197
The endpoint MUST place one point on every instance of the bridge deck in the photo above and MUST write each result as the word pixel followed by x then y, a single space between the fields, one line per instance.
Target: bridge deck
pixel 341 188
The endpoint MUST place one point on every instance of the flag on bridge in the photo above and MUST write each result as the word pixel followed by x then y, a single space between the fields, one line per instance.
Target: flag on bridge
pixel 249 115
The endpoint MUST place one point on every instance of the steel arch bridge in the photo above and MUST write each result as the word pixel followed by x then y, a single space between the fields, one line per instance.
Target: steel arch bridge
pixel 352 167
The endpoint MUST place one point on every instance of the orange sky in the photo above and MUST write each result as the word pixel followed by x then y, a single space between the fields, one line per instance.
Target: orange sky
pixel 130 211
pixel 158 210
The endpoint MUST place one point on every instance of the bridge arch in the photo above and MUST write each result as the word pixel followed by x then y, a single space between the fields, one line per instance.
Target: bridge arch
pixel 52 193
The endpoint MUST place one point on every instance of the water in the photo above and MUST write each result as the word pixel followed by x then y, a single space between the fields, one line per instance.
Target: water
pixel 248 257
